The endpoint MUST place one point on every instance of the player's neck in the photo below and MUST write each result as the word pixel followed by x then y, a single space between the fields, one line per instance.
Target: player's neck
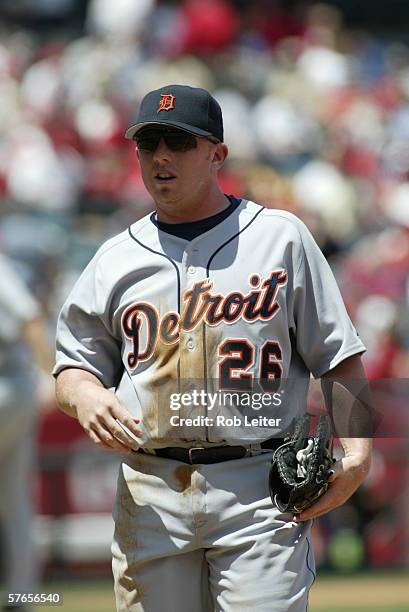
pixel 193 210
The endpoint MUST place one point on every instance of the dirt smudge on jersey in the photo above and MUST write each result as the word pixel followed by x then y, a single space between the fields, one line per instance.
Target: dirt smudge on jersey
pixel 192 378
pixel 163 382
pixel 192 359
pixel 181 368
pixel 213 339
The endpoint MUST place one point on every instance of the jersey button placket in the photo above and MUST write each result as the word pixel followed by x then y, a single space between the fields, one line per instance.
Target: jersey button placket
pixel 190 342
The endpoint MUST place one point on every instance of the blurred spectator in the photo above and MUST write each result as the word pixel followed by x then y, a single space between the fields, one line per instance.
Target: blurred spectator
pixel 122 18
pixel 210 25
pixel 25 362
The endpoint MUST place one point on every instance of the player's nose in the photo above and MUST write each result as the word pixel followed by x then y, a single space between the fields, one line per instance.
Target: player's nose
pixel 162 151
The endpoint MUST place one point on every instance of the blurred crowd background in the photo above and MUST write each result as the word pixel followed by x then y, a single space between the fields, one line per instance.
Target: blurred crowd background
pixel 316 105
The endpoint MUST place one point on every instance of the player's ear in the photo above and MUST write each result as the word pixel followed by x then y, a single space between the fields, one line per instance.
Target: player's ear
pixel 220 153
pixel 137 151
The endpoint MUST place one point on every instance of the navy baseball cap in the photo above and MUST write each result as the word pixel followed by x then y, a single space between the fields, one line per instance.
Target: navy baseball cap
pixel 191 109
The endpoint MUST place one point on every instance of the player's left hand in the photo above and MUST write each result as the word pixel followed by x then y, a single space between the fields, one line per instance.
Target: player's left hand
pixel 349 472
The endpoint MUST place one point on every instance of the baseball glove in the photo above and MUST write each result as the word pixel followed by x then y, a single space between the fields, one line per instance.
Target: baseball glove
pixel 301 466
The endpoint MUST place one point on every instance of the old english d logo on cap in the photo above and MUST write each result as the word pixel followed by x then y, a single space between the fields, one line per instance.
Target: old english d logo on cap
pixel 167 102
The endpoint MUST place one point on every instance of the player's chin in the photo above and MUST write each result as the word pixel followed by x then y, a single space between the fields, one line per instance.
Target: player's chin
pixel 164 193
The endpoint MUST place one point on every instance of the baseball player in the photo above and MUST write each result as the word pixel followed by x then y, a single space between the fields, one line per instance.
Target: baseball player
pixel 208 298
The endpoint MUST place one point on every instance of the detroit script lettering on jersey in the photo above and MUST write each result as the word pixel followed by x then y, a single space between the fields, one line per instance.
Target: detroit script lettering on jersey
pixel 200 304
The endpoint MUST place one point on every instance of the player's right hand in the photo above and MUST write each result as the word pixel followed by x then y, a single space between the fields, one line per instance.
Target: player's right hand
pixel 99 412
pixel 102 415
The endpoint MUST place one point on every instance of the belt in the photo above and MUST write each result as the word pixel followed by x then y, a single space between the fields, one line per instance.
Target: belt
pixel 212 454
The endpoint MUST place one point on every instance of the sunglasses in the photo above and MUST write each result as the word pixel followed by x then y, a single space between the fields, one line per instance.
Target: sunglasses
pixel 176 140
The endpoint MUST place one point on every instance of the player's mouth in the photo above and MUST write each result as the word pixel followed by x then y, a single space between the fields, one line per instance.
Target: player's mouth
pixel 164 178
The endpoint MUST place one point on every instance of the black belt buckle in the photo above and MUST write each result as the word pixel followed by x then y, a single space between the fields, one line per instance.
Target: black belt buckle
pixel 191 450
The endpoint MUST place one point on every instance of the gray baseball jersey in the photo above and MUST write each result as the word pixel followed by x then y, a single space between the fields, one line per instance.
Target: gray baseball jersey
pixel 250 302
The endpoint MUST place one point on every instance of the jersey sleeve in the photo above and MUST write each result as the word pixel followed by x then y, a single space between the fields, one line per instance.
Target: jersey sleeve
pixel 84 339
pixel 324 333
